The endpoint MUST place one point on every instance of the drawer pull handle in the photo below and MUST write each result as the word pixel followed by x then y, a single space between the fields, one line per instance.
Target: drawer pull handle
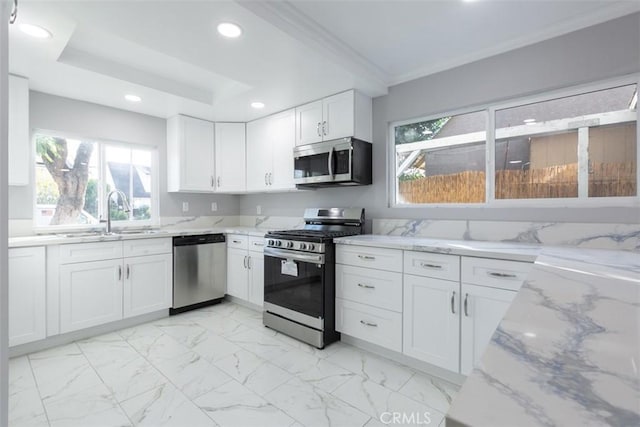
pixel 502 275
pixel 366 286
pixel 258 244
pixel 364 322
pixel 237 241
pixel 367 257
pixel 119 272
pixel 466 306
pixel 453 298
pixel 427 265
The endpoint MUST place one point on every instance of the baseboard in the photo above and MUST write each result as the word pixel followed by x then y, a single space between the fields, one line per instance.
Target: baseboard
pixel 243 303
pixel 419 365
pixel 70 337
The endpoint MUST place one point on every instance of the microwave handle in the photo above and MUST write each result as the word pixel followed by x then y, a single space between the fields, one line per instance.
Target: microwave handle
pixel 331 162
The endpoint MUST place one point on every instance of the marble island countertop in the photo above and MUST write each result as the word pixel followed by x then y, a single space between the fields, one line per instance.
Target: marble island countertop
pixel 65 238
pixel 501 250
pixel 567 352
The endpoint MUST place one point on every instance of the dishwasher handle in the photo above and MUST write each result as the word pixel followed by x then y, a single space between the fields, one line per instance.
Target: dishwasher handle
pixel 199 239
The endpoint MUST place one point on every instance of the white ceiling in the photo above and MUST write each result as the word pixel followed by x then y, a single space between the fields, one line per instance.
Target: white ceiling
pixel 170 54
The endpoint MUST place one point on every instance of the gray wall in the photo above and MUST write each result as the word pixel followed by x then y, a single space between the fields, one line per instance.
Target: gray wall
pixel 607 50
pixel 84 119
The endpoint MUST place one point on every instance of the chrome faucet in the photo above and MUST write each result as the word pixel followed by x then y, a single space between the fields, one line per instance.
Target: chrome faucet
pixel 125 204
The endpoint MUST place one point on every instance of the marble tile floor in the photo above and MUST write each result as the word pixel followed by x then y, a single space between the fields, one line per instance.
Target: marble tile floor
pixel 217 366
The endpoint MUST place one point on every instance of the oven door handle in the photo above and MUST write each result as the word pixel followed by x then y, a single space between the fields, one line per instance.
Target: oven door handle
pixel 295 256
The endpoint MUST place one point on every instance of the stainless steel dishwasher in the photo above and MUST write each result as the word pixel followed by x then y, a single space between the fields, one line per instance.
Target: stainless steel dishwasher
pixel 199 271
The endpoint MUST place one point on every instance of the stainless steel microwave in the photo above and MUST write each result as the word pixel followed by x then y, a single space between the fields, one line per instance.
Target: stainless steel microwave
pixel 341 162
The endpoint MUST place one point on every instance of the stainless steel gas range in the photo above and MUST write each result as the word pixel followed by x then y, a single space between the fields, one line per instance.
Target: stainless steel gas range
pixel 299 275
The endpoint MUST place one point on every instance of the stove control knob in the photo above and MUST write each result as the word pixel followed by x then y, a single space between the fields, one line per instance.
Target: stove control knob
pixel 303 246
pixel 311 246
pixel 289 244
pixel 277 243
pixel 270 242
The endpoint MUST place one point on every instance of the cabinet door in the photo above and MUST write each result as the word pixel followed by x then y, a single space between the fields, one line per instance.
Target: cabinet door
pixel 259 155
pixel 282 129
pixel 27 295
pixel 230 157
pixel 197 155
pixel 19 140
pixel 308 123
pixel 90 294
pixel 256 278
pixel 431 321
pixel 339 116
pixel 237 274
pixel 484 309
pixel 148 284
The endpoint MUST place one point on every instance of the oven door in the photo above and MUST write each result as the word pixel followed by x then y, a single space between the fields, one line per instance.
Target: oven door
pixel 294 286
pixel 323 162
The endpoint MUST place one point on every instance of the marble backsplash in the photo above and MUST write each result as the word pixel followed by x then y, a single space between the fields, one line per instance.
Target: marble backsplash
pixel 584 235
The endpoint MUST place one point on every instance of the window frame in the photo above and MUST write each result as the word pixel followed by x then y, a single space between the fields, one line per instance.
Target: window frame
pixel 102 143
pixel 490 111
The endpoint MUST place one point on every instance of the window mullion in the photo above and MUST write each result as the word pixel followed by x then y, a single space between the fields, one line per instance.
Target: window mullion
pixel 583 162
pixel 490 156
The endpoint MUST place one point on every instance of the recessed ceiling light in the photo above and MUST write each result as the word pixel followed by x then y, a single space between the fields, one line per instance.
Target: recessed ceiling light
pixel 257 105
pixel 229 29
pixel 530 334
pixel 35 31
pixel 132 98
pixel 527 121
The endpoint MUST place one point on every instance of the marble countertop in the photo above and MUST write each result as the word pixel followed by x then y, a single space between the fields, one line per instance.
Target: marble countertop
pixel 502 250
pixel 567 352
pixel 60 239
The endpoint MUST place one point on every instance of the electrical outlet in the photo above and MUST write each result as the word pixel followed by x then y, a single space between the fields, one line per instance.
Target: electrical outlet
pixel 258 210
pixel 185 206
pixel 214 206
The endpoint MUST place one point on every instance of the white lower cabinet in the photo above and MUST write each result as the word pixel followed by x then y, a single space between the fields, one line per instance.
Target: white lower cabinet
pixel 90 294
pixel 245 268
pixel 482 310
pixel 237 276
pixel 27 295
pixel 148 284
pixel 98 283
pixel 376 325
pixel 256 278
pixel 431 326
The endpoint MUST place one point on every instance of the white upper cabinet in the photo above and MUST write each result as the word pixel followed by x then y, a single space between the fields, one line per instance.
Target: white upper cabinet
pixel 270 143
pixel 283 127
pixel 309 123
pixel 338 116
pixel 230 157
pixel 19 140
pixel 190 155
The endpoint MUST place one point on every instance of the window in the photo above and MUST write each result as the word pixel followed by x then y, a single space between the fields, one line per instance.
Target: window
pixel 581 146
pixel 74 176
pixel 441 160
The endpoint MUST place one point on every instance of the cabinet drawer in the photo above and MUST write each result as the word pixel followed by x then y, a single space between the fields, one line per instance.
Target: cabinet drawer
pixel 83 252
pixel 256 244
pixel 363 256
pixel 237 241
pixel 375 325
pixel 495 272
pixel 381 289
pixel 155 246
pixel 438 266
